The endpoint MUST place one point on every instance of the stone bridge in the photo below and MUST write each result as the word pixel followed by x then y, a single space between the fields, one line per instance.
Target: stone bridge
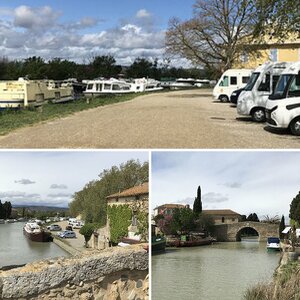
pixel 232 232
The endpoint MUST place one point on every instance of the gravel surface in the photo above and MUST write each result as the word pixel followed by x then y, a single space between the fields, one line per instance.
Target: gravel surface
pixel 181 119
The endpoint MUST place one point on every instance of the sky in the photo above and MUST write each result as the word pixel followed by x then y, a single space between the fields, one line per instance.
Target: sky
pixel 51 178
pixel 78 30
pixel 243 181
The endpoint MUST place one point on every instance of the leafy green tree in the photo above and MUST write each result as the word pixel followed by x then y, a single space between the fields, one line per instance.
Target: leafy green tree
pixel 87 230
pixel 253 217
pixel 34 67
pixel 91 200
pixel 104 66
pixel 197 208
pixel 183 220
pixel 295 209
pixel 206 223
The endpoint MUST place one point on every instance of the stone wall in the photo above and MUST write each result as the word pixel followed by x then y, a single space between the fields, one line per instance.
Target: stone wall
pixel 117 273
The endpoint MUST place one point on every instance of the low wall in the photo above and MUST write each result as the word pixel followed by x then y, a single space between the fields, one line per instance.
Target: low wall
pixel 118 273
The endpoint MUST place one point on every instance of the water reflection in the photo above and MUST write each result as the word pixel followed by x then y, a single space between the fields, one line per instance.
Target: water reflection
pixel 219 271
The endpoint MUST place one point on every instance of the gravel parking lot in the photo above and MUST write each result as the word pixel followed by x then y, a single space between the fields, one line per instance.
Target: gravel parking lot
pixel 180 119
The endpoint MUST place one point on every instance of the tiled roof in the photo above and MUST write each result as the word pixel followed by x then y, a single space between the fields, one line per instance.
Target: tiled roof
pixel 219 212
pixel 170 206
pixel 134 191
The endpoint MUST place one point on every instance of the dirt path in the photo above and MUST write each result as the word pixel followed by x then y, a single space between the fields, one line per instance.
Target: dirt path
pixel 181 119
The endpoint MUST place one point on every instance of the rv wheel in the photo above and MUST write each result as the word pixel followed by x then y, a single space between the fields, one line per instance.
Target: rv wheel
pixel 224 98
pixel 295 126
pixel 258 115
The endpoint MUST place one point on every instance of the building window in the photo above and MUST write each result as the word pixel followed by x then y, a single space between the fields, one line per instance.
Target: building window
pixel 274 55
pixel 223 219
pixel 233 219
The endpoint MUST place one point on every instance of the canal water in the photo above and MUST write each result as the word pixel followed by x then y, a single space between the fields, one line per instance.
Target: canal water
pixel 220 271
pixel 16 249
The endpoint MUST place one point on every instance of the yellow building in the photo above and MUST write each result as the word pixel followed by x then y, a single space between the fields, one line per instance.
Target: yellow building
pixel 287 51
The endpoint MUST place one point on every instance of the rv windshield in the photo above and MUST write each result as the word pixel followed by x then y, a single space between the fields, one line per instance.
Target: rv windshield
pixel 281 85
pixel 251 81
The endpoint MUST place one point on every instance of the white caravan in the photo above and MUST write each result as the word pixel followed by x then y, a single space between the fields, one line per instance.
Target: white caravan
pixel 252 101
pixel 231 80
pixel 283 106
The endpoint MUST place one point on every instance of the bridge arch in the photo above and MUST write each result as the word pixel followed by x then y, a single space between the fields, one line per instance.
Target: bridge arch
pixel 246 231
pixel 232 232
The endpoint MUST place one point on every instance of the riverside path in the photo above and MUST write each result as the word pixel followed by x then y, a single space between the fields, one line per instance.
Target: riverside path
pixel 180 119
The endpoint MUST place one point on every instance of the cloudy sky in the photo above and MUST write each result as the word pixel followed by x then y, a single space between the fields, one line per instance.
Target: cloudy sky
pixel 77 30
pixel 51 178
pixel 246 182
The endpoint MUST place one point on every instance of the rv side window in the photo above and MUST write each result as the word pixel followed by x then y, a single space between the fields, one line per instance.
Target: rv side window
pixel 294 89
pixel 224 82
pixel 106 86
pixel 90 86
pixel 233 80
pixel 245 79
pixel 265 84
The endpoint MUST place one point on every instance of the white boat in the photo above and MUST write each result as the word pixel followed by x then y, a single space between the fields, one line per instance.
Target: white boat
pixel 114 86
pixel 273 243
pixel 10 221
pixel 35 233
pixel 106 87
pixel 23 93
pixel 2 221
pixel 188 83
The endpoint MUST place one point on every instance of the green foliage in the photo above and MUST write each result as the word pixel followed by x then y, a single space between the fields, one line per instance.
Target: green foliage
pixel 206 223
pixel 5 210
pixel 281 226
pixel 253 217
pixel 197 208
pixel 87 230
pixel 90 202
pixel 295 209
pixel 119 220
pixel 183 220
pixel 143 225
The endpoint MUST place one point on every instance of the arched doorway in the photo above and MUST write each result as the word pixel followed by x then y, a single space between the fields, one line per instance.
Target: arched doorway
pixel 247 233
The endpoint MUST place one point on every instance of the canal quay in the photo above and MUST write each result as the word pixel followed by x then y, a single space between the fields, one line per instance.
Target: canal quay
pixel 16 249
pixel 218 271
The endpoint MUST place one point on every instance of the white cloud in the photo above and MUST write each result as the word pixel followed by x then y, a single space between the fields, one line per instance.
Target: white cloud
pixel 24 181
pixel 58 186
pixel 143 13
pixel 38 31
pixel 35 18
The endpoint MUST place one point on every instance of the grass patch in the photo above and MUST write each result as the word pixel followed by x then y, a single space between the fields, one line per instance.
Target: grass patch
pixel 13 119
pixel 285 285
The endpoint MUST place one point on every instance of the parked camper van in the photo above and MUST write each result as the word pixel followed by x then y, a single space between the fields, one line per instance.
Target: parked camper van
pixel 283 106
pixel 230 81
pixel 252 101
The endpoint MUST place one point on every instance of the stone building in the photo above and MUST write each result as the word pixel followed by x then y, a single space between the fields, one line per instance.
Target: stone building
pixel 222 216
pixel 137 198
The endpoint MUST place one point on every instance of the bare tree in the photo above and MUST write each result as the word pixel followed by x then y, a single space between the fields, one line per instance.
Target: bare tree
pixel 221 31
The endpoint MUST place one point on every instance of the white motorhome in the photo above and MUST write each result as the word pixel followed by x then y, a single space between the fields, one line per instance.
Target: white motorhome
pixel 283 106
pixel 252 101
pixel 231 80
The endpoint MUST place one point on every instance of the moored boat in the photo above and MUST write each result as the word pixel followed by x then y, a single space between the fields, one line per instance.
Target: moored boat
pixel 2 221
pixel 22 93
pixel 158 244
pixel 273 243
pixel 35 233
pixel 192 241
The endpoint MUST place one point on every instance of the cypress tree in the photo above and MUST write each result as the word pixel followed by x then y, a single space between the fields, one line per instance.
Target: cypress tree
pixel 197 208
pixel 281 226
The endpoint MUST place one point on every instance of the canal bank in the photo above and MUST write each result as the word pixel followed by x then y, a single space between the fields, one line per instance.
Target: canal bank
pixel 220 271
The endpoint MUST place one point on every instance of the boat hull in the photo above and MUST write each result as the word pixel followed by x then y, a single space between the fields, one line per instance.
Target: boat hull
pixel 42 236
pixel 158 245
pixel 193 243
